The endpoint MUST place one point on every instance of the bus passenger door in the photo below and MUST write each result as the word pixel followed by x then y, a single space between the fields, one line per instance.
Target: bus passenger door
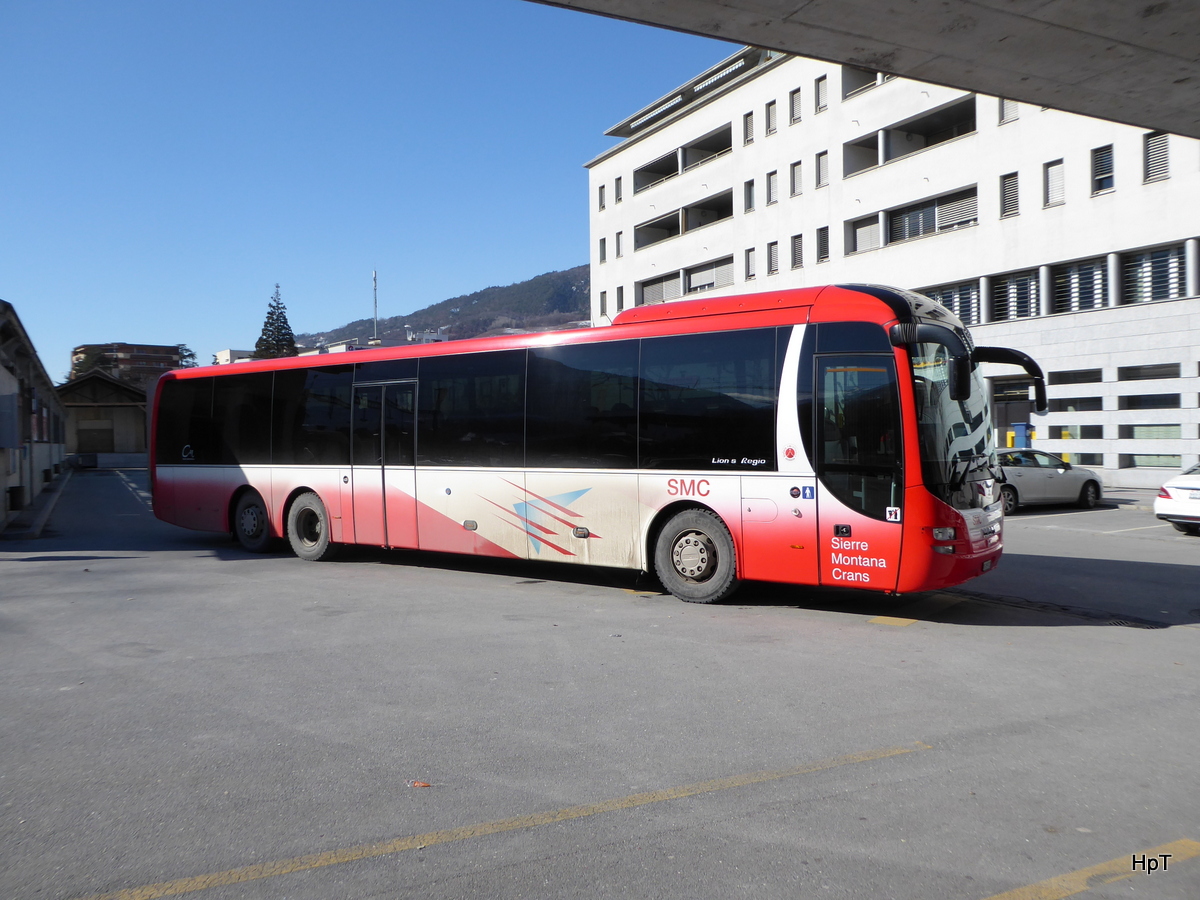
pixel 382 474
pixel 857 445
pixel 779 528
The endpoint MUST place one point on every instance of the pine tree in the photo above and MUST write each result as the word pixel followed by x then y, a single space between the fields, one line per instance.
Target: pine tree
pixel 276 339
pixel 187 357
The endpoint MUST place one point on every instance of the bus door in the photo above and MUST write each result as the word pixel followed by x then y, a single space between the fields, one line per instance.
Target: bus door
pixel 383 475
pixel 859 466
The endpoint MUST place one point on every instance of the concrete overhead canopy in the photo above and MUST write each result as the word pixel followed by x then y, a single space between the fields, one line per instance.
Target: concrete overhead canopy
pixel 1131 62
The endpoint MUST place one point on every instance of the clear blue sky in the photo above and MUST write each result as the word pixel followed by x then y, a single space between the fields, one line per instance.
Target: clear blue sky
pixel 163 165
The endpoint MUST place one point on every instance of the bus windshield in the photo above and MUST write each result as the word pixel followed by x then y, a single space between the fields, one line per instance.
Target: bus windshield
pixel 958 455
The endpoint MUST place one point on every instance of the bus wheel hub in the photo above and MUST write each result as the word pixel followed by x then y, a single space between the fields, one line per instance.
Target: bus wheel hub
pixel 250 521
pixel 692 554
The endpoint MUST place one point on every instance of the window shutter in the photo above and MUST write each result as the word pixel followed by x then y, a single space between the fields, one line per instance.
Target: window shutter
pixel 652 291
pixel 797 180
pixel 822 93
pixel 748 128
pixel 1154 275
pixel 1008 111
pixel 1054 182
pixel 1010 200
pixel 1102 168
pixel 822 169
pixel 866 234
pixel 724 272
pixel 772 257
pixel 794 103
pixel 957 210
pixel 1083 285
pixel 1157 160
pixel 823 244
pixel 617 189
pixel 797 251
pixel 771 117
pixel 772 187
pixel 749 263
pixel 1015 296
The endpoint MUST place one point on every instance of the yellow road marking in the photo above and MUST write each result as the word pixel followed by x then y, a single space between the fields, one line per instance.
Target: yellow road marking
pixel 1094 876
pixel 419 841
pixel 890 620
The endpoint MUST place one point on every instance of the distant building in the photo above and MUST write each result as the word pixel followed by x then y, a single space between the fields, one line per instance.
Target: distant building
pixel 32 419
pixel 226 357
pixel 427 336
pixel 1073 239
pixel 104 414
pixel 137 363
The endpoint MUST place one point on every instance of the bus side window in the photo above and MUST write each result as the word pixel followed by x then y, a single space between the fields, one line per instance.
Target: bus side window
pixel 581 406
pixel 311 417
pixel 471 409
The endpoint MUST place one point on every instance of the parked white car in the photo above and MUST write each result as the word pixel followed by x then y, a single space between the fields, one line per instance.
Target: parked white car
pixel 1178 502
pixel 1032 476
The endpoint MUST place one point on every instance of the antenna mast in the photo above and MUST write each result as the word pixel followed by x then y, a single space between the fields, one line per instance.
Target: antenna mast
pixel 375 292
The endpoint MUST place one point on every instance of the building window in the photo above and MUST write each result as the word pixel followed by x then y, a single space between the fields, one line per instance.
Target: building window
pixel 748 196
pixel 1077 404
pixel 1148 372
pixel 1102 169
pixel 797 251
pixel 771 121
pixel 748 128
pixel 823 244
pixel 1081 285
pixel 1009 111
pixel 600 194
pixel 617 190
pixel 1015 296
pixel 604 303
pixel 1150 432
pixel 821 94
pixel 797 179
pixel 1076 376
pixel 773 258
pixel 1149 401
pixel 603 249
pixel 666 287
pixel 794 108
pixel 1155 153
pixel 709 276
pixel 823 168
pixel 1151 461
pixel 772 188
pixel 947 213
pixel 1076 432
pixel 961 299
pixel 620 298
pixel 617 246
pixel 864 234
pixel 1154 275
pixel 1052 183
pixel 750 264
pixel 1010 198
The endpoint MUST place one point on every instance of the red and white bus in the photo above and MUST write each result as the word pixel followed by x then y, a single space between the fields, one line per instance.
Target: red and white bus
pixel 824 436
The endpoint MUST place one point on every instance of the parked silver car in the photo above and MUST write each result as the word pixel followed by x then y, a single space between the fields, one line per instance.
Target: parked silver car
pixel 1032 476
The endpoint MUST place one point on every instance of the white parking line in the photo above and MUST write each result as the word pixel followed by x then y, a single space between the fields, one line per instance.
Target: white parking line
pixel 1140 528
pixel 143 496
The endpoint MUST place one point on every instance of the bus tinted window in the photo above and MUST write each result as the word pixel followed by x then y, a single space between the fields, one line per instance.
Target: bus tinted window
pixel 852 337
pixel 471 410
pixel 583 406
pixel 241 419
pixel 386 370
pixel 858 432
pixel 312 416
pixel 184 414
pixel 708 401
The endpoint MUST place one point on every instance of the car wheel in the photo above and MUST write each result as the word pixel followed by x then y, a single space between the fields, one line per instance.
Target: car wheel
pixel 1185 528
pixel 250 524
pixel 308 529
pixel 694 557
pixel 1089 496
pixel 1008 498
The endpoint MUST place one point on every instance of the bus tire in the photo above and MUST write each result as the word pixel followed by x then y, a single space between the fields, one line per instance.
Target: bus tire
pixel 694 557
pixel 308 529
pixel 251 526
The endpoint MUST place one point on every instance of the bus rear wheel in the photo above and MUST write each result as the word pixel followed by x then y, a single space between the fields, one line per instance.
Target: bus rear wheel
pixel 250 523
pixel 694 557
pixel 308 529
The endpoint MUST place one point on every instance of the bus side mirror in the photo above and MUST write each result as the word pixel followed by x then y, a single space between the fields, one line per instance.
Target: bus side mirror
pixel 960 378
pixel 1009 357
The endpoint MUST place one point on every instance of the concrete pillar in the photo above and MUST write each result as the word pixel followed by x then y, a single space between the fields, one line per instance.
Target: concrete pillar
pixel 1114 279
pixel 1191 262
pixel 1045 291
pixel 985 300
pixel 881 147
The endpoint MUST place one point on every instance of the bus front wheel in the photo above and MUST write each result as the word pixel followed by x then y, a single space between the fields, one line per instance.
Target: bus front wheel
pixel 694 557
pixel 308 529
pixel 250 525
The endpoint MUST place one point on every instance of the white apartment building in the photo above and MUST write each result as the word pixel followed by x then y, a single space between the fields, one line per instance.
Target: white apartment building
pixel 1072 239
